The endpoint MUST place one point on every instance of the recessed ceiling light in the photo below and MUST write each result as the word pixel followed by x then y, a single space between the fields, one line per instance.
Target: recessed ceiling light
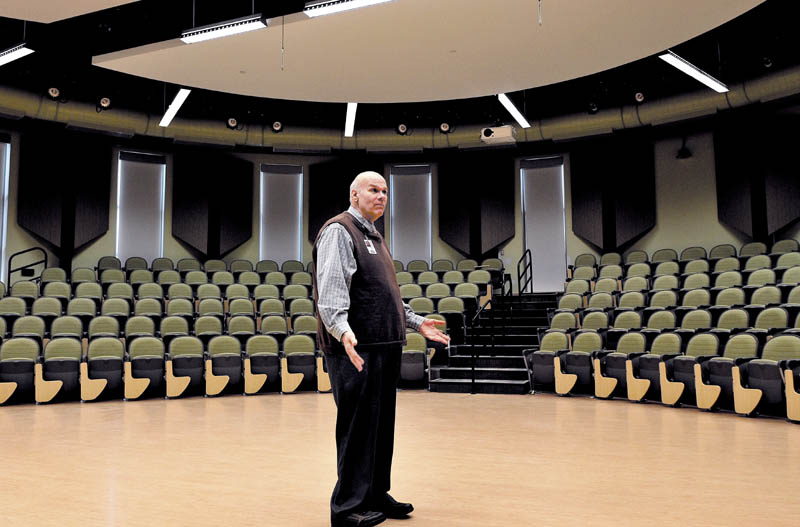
pixel 224 29
pixel 328 7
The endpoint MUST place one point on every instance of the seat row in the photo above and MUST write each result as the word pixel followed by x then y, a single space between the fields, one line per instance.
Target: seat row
pixel 779 266
pixel 742 375
pixel 690 253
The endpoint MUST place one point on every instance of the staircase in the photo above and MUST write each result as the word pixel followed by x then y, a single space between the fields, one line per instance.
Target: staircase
pixel 497 346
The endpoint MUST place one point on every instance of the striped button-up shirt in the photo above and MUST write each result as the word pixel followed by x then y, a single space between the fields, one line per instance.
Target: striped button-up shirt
pixel 336 264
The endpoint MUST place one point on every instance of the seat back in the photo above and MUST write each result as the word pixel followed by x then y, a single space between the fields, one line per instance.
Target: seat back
pixel 146 347
pixel 730 296
pixel 635 256
pixel 785 246
pixel 696 298
pixel 766 295
pixel 664 255
pixel 752 249
pixel 724 250
pixel 666 344
pixel 585 260
pixel 696 319
pixel 782 347
pixel 104 348
pixel 261 345
pixel 734 319
pixel 595 320
pixel 298 344
pixel 554 341
pixel 185 347
pixel 631 342
pixel 628 320
pixel 703 344
pixel 727 264
pixel 772 317
pixel 587 342
pixel 661 320
pixel 224 345
pixel 692 253
pixel 742 345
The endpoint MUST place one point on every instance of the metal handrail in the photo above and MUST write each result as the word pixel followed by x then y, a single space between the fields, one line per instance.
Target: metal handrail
pixel 12 270
pixel 525 271
pixel 492 345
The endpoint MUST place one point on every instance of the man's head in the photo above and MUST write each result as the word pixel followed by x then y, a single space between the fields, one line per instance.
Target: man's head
pixel 368 194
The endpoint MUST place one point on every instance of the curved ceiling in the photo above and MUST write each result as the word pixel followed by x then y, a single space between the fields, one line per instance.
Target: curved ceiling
pixel 420 50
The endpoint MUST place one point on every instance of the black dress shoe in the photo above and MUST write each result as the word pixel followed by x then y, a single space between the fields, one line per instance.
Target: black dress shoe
pixel 393 508
pixel 360 519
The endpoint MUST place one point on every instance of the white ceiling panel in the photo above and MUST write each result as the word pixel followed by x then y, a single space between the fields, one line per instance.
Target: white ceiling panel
pixel 47 11
pixel 423 50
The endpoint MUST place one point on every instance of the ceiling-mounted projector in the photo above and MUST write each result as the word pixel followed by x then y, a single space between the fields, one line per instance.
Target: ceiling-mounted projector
pixel 499 135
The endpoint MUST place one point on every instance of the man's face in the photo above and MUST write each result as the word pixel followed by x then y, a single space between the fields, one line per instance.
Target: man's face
pixel 371 198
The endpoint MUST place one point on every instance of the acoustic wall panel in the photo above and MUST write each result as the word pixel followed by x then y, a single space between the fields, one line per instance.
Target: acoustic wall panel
pixel 212 198
pixel 64 188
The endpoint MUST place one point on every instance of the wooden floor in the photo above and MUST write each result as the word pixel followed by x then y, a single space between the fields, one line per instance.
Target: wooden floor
pixel 462 460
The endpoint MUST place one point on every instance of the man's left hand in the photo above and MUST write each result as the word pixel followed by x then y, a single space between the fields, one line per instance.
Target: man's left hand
pixel 429 330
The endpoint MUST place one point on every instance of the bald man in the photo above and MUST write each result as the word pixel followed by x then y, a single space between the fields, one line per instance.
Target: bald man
pixel 362 323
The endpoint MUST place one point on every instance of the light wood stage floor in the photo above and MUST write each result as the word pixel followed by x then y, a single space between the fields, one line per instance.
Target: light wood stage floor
pixel 480 460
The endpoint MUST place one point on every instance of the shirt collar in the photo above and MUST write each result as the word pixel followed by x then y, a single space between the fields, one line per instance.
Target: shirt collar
pixel 361 219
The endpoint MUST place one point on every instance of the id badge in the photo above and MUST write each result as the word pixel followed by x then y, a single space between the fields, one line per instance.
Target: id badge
pixel 370 247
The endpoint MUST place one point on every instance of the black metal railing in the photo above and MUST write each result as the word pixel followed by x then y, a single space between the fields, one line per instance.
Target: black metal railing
pixel 22 268
pixel 525 271
pixel 476 323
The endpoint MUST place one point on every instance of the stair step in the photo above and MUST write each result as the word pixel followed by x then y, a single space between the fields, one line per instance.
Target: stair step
pixel 511 350
pixel 481 386
pixel 508 330
pixel 512 362
pixel 510 374
pixel 525 340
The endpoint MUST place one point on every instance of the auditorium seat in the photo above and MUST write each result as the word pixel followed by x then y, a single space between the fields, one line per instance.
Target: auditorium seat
pixel 696 281
pixel 298 358
pixel 421 306
pixel 442 266
pixel 305 325
pixel 727 264
pixel 466 265
pixel 144 371
pixel 726 299
pixel 139 277
pixel 677 375
pixel 696 266
pixel 241 307
pixel 292 266
pixel 27 291
pixel 599 301
pixel 18 357
pixel 594 321
pixel 664 255
pixel 713 378
pixel 665 282
pixel 642 373
pixel 633 256
pixel 222 279
pixel 610 271
pixel 540 361
pixel 426 278
pixel 83 308
pixel 168 277
pixel 48 309
pixel 452 309
pixel 611 258
pixel 138 327
pixel 173 327
pixel 135 263
pixel 624 322
pixel 667 268
pixel 103 327
pixel 161 264
pixel 149 307
pixel 300 307
pixel 658 322
pixel 436 292
pixel 413 361
pixel 187 265
pixel 290 292
pixel 583 273
pixel 271 306
pixel 211 307
pixel 692 253
pixel 184 367
pixel 53 274
pixel 66 326
pixel 275 326
pixel 150 290
pixel 81 275
pixel 635 283
pixel 398 266
pixel 276 278
pixel 578 363
pixel 784 246
pixel 606 285
pixel 101 374
pixel 638 269
pixel 58 375
pixel 610 365
pixel 409 291
pixel 263 267
pixel 224 365
pixel 205 291
pixel 195 279
pixel 59 290
pixel 584 260
pixel 108 262
pixel 120 290
pixel 578 286
pixel 207 327
pixel 242 328
pixel 752 249
pixel 244 287
pixel 180 291
pixel 570 302
pixel 261 365
pixel 29 326
pixel 111 276
pixel 452 279
pixel 724 250
pixel 214 266
pixel 301 278
pixel 759 384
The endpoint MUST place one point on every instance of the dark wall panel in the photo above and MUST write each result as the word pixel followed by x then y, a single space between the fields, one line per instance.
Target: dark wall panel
pixel 782 175
pixel 64 188
pixel 587 199
pixel 733 173
pixel 635 195
pixel 236 214
pixel 476 201
pixel 212 204
pixel 613 191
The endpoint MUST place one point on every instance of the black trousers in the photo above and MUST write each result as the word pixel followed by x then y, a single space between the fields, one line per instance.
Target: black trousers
pixel 365 415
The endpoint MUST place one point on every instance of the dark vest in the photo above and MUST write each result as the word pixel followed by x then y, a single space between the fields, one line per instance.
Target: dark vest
pixel 376 313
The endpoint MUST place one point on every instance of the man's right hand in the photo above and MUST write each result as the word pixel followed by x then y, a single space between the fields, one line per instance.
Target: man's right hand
pixel 349 342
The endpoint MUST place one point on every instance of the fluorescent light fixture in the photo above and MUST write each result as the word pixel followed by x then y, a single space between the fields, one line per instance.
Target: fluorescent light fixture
pixel 224 29
pixel 328 7
pixel 14 53
pixel 516 114
pixel 693 71
pixel 174 107
pixel 350 120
